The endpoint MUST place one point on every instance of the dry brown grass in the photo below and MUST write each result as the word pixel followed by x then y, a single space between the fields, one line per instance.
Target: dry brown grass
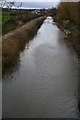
pixel 75 41
pixel 12 45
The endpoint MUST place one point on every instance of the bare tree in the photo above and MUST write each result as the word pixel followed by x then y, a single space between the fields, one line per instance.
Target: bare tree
pixel 9 4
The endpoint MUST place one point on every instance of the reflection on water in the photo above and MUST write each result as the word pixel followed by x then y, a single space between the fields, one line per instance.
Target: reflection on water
pixel 45 85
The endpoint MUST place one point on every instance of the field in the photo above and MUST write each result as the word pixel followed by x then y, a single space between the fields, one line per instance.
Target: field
pixel 11 19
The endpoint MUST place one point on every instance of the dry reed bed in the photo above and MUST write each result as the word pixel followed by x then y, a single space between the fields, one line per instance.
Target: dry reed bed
pixel 12 45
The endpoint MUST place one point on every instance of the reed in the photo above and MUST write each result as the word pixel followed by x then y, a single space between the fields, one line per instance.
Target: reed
pixel 14 44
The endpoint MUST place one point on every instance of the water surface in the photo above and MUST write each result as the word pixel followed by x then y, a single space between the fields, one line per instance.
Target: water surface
pixel 45 83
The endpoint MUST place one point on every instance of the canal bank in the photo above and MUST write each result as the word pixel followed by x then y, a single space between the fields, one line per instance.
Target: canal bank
pixel 15 42
pixel 46 78
pixel 72 33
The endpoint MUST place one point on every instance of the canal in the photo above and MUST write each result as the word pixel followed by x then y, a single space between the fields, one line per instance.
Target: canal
pixel 45 82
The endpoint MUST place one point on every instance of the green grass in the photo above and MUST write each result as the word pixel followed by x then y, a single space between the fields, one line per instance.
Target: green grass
pixel 70 23
pixel 12 20
pixel 72 31
pixel 8 30
pixel 5 17
pixel 67 21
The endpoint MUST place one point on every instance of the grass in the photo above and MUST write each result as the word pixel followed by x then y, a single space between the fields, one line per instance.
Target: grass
pixel 72 24
pixel 67 21
pixel 15 43
pixel 75 42
pixel 72 31
pixel 6 17
pixel 74 36
pixel 8 30
pixel 76 26
pixel 11 20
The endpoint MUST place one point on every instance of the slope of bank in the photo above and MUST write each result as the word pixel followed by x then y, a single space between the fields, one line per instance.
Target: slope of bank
pixel 13 44
pixel 14 18
pixel 71 32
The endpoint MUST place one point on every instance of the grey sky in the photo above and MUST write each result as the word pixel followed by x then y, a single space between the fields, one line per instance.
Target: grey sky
pixel 39 4
pixel 35 0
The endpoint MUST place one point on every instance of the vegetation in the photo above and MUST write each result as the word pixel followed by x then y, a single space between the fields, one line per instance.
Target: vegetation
pixel 9 4
pixel 12 18
pixel 12 45
pixel 15 18
pixel 68 12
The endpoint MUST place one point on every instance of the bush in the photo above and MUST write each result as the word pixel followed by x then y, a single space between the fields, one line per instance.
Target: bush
pixel 5 17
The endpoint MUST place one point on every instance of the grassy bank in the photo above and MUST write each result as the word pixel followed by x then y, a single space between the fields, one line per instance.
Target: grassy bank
pixel 12 45
pixel 68 19
pixel 73 37
pixel 11 19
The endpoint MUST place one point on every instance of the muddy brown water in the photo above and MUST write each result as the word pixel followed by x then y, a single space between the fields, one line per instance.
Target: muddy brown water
pixel 45 83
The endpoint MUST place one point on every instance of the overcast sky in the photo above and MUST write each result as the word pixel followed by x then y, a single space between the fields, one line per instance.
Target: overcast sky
pixel 39 5
pixel 31 4
pixel 34 0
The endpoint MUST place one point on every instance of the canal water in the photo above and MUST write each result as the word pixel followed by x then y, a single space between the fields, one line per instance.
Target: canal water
pixel 45 83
